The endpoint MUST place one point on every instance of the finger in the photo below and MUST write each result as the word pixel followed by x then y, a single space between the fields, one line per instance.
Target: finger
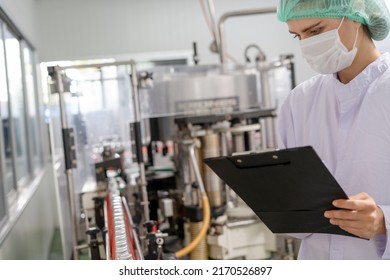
pixel 350 202
pixel 342 214
pixel 347 204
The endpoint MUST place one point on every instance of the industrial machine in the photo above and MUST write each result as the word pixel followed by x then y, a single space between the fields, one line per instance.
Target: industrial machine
pixel 133 144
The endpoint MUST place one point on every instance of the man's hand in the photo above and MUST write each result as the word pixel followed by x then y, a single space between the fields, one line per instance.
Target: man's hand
pixel 358 215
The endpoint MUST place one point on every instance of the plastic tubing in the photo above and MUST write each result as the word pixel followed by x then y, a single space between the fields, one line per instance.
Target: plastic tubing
pixel 206 220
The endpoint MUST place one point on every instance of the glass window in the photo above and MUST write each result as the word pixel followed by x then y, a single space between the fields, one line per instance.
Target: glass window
pixel 34 137
pixel 18 116
pixel 8 171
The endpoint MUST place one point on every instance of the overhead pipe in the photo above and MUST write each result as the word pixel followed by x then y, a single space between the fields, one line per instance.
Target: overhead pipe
pixel 224 17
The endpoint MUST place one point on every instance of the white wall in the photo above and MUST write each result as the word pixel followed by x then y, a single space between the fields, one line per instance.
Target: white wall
pixel 30 230
pixel 84 29
pixel 31 235
pixel 23 15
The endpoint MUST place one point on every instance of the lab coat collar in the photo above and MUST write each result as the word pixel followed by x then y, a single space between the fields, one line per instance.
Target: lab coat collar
pixel 361 82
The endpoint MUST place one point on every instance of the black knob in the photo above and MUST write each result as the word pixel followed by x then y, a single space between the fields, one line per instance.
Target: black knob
pixel 93 231
pixel 149 225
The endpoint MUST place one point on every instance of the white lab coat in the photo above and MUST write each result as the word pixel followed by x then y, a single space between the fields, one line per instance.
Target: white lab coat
pixel 349 127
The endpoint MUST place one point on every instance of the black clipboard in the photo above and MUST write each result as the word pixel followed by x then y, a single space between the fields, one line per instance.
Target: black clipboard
pixel 289 190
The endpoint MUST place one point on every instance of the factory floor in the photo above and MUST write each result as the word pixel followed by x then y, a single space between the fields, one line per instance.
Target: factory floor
pixel 56 252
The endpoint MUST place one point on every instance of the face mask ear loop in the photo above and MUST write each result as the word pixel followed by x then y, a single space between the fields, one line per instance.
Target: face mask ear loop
pixel 341 23
pixel 357 33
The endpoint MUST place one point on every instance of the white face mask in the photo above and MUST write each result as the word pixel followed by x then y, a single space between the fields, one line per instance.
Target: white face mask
pixel 325 52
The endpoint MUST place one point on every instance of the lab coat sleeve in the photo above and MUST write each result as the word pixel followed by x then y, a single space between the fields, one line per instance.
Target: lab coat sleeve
pixel 382 240
pixel 286 139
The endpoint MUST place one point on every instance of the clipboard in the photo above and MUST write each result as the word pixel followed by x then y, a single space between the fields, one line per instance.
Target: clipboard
pixel 289 190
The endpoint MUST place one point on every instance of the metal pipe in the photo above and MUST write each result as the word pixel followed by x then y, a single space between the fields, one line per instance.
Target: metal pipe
pixel 134 84
pixel 267 104
pixel 213 184
pixel 263 135
pixel 242 223
pixel 60 87
pixel 96 65
pixel 195 167
pixel 224 17
pixel 260 54
pixel 106 236
pixel 82 246
pixel 69 176
pixel 137 123
pixel 211 7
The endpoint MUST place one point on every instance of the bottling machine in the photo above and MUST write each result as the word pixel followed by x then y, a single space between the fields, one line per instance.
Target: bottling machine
pixel 132 147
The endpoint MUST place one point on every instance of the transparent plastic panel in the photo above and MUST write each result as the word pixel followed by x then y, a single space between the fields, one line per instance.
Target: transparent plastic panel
pixel 99 109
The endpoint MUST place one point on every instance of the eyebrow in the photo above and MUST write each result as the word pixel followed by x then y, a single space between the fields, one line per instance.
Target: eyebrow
pixel 308 28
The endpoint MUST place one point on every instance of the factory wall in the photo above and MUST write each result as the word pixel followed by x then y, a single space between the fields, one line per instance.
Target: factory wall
pixel 32 217
pixel 23 15
pixel 32 232
pixel 85 29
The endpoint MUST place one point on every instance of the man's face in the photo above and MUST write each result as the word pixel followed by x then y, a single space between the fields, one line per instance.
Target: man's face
pixel 309 27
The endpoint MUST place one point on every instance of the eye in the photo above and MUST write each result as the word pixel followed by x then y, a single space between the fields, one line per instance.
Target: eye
pixel 296 36
pixel 315 31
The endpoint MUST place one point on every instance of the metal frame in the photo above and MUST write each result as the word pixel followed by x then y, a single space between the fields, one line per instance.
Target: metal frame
pixel 27 128
pixel 3 200
pixel 68 172
pixel 12 194
pixel 64 125
pixel 224 17
pixel 33 169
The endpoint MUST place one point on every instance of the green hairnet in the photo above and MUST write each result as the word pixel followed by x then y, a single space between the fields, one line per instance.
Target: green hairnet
pixel 372 13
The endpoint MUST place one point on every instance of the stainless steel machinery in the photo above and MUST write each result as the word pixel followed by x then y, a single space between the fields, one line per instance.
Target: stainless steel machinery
pixel 133 144
pixel 210 111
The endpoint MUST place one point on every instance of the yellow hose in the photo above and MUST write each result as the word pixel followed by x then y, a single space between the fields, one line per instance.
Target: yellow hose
pixel 206 220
